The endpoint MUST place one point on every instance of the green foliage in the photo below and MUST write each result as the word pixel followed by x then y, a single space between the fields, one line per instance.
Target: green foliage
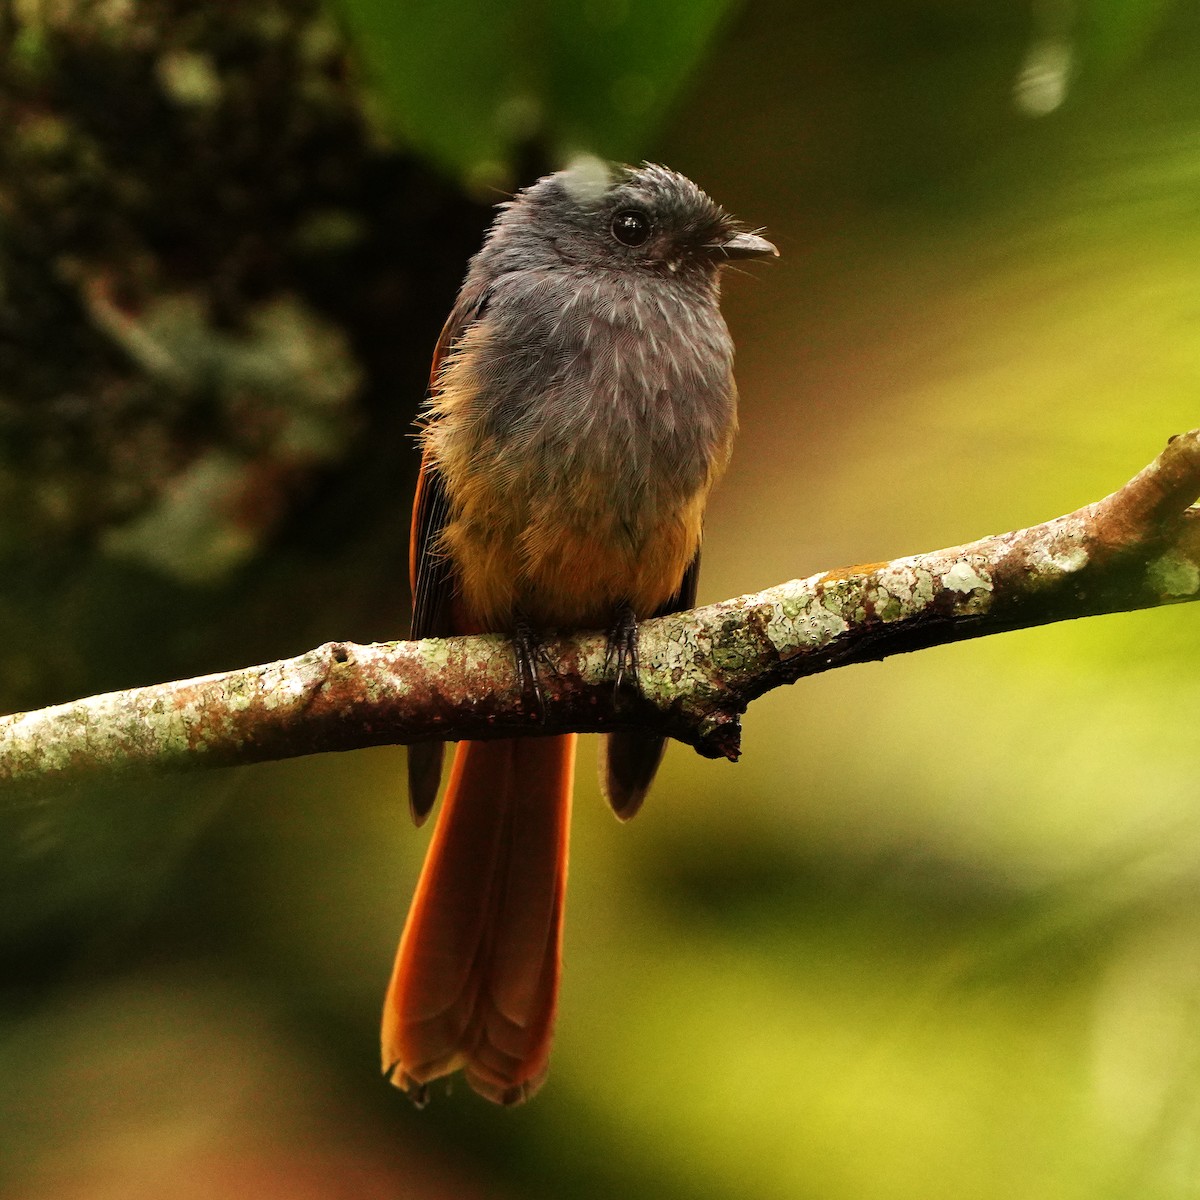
pixel 1114 33
pixel 468 83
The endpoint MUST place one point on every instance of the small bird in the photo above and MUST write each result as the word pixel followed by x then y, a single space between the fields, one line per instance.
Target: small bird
pixel 581 407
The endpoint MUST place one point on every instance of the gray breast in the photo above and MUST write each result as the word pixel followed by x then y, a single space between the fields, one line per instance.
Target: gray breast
pixel 617 377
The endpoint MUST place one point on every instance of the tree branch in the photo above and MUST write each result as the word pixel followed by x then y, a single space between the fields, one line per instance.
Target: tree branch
pixel 1138 548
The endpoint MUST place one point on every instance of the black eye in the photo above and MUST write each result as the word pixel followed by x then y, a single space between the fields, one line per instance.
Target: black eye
pixel 631 227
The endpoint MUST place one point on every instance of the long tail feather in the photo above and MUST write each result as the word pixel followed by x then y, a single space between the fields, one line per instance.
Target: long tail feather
pixel 476 977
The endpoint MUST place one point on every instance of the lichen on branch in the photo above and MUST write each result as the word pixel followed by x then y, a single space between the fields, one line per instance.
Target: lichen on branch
pixel 697 671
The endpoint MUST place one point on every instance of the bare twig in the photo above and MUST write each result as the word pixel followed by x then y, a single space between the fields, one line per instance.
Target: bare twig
pixel 1138 548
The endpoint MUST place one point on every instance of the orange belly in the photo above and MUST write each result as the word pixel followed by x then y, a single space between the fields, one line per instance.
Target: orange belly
pixel 554 570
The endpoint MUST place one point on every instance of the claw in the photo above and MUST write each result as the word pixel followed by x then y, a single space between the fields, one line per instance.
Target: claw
pixel 621 654
pixel 527 648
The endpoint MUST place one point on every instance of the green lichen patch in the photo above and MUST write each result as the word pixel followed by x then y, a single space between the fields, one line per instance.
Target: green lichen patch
pixel 964 578
pixel 1173 575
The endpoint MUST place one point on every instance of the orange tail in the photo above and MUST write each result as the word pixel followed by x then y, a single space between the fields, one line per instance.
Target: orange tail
pixel 476 978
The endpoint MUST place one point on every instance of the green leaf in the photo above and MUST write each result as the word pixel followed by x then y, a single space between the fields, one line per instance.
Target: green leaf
pixel 616 67
pixel 468 82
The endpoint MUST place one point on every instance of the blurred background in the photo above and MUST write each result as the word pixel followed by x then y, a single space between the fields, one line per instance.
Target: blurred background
pixel 937 933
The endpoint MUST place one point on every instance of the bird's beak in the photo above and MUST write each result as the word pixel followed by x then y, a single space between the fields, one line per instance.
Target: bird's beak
pixel 742 245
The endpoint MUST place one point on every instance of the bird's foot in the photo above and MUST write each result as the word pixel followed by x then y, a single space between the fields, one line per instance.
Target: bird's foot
pixel 621 654
pixel 527 648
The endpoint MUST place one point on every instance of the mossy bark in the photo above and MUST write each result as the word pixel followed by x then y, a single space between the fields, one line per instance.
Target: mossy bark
pixel 1138 548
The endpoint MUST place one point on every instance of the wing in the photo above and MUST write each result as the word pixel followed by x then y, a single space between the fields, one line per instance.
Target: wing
pixel 685 597
pixel 631 759
pixel 431 574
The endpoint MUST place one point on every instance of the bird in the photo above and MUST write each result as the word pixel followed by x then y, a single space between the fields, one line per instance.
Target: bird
pixel 581 407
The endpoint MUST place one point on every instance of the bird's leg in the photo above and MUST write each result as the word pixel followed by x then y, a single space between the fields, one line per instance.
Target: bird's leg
pixel 621 654
pixel 527 647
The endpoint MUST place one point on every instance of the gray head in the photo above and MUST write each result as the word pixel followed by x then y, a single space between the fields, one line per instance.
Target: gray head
pixel 594 215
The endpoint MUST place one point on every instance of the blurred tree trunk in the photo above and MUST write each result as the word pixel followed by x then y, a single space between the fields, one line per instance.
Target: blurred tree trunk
pixel 219 287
